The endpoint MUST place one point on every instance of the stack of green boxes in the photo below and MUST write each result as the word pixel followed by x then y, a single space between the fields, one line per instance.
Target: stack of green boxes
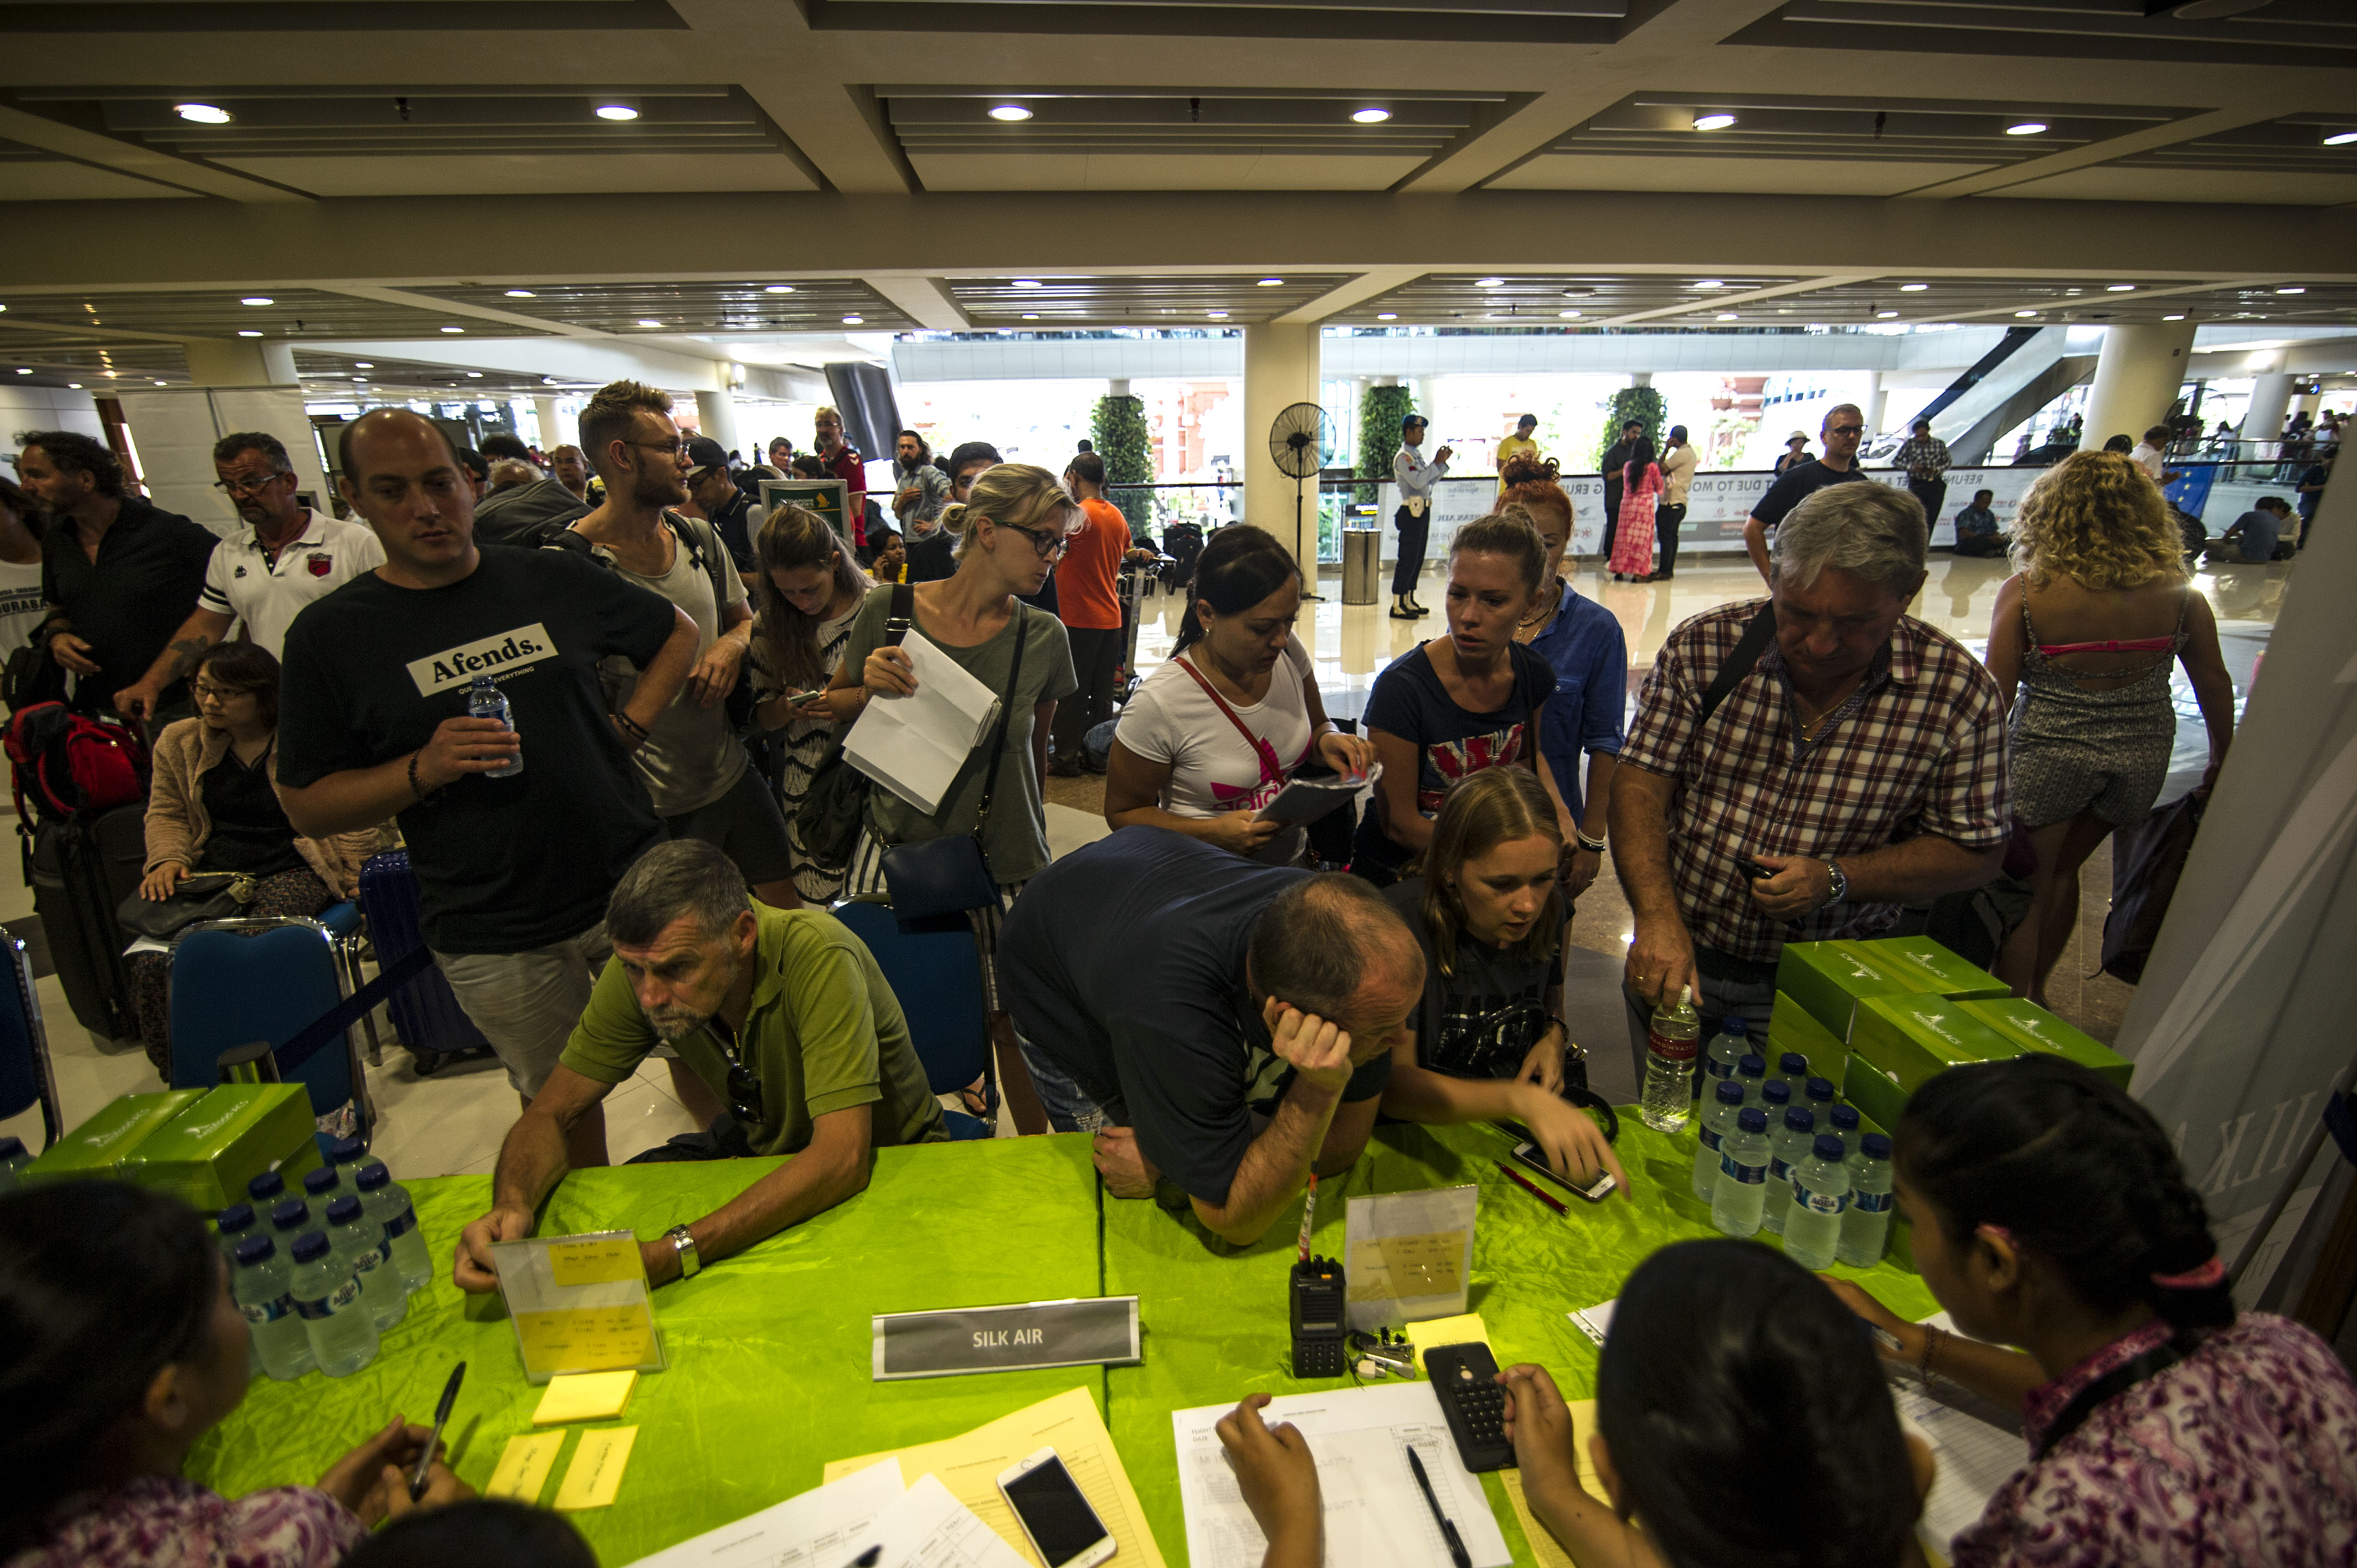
pixel 202 1145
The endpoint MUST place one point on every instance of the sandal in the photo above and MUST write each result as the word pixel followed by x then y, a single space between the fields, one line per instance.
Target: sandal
pixel 980 1099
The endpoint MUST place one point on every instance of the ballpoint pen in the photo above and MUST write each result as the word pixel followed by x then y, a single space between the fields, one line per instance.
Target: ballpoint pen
pixel 441 1419
pixel 1516 1177
pixel 1457 1553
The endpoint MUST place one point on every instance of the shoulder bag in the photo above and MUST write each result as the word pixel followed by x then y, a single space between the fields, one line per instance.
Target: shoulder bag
pixel 1271 770
pixel 200 896
pixel 951 876
pixel 831 809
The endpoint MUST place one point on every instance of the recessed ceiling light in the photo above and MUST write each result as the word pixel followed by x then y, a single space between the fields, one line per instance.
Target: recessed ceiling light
pixel 2292 289
pixel 1027 316
pixel 454 330
pixel 2026 128
pixel 257 299
pixel 162 382
pixel 2119 288
pixel 203 114
pixel 1710 283
pixel 2179 317
pixel 362 379
pixel 519 294
pixel 365 364
pixel 74 386
pixel 1489 282
pixel 24 369
pixel 1217 315
pixel 648 321
pixel 2341 138
pixel 854 320
pixel 1387 316
pixel 1883 314
pixel 248 332
pixel 1913 287
pixel 1713 122
pixel 616 111
pixel 1027 283
pixel 474 375
pixel 1270 283
pixel 1010 113
pixel 1727 316
pixel 1566 315
pixel 2025 313
pixel 1370 116
pixel 778 288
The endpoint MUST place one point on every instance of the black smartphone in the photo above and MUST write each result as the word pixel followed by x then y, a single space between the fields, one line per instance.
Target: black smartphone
pixel 1532 1157
pixel 1752 868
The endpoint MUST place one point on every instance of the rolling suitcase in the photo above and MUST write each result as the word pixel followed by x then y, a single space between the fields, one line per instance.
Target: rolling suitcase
pixel 425 1012
pixel 84 867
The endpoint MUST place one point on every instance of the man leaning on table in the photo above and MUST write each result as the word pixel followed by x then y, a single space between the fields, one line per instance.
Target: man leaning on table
pixel 786 1015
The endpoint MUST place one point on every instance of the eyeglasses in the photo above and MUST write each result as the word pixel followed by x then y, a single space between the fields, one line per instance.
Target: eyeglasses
pixel 206 690
pixel 1051 546
pixel 674 448
pixel 248 486
pixel 1845 430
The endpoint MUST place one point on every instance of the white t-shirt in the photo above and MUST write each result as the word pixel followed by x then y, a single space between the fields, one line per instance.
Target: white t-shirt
pixel 2149 459
pixel 239 580
pixel 1171 720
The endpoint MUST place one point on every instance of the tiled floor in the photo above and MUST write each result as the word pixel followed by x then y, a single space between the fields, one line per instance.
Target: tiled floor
pixel 452 1122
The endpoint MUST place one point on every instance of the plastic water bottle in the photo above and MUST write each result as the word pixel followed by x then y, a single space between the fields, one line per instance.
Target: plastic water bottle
pixel 1845 1120
pixel 1820 1196
pixel 1788 1145
pixel 1867 1225
pixel 345 1153
pixel 12 1158
pixel 290 1217
pixel 327 1299
pixel 1718 1121
pixel 486 701
pixel 359 1242
pixel 1793 1068
pixel 259 1287
pixel 1819 1093
pixel 322 1186
pixel 265 1190
pixel 1730 1046
pixel 1670 1064
pixel 1751 1072
pixel 388 1205
pixel 1775 1097
pixel 1736 1201
pixel 233 1225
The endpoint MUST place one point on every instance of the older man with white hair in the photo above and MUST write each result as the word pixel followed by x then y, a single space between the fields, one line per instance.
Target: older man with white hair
pixel 1800 768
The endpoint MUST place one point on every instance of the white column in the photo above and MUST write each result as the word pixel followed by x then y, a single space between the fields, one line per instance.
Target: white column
pixel 2138 373
pixel 240 384
pixel 1280 370
pixel 1117 386
pixel 555 431
pixel 2262 420
pixel 1877 399
pixel 715 416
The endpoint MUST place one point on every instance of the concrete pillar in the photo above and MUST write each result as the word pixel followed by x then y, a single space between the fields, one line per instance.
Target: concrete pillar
pixel 1641 378
pixel 555 430
pixel 2137 374
pixel 715 416
pixel 240 362
pixel 1118 386
pixel 1280 369
pixel 1877 399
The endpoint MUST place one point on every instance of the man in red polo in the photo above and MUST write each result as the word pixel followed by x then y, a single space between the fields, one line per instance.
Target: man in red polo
pixel 841 459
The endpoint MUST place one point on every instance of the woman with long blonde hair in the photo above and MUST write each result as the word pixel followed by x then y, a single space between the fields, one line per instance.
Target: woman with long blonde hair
pixel 2082 642
pixel 809 586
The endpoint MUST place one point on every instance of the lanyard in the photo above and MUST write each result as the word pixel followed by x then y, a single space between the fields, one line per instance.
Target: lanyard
pixel 2116 1381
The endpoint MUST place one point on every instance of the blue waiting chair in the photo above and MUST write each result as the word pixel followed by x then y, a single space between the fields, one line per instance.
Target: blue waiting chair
pixel 26 1077
pixel 236 982
pixel 343 923
pixel 937 975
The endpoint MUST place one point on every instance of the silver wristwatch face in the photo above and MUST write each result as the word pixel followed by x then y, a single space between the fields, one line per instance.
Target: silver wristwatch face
pixel 685 1245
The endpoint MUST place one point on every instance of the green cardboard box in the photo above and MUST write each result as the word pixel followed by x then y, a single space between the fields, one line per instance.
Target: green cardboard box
pixel 1829 978
pixel 1914 1038
pixel 1792 1027
pixel 2033 1028
pixel 98 1146
pixel 1876 1093
pixel 234 1134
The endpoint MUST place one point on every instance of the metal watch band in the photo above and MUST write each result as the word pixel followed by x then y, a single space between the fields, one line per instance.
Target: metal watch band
pixel 1840 888
pixel 685 1245
pixel 1593 847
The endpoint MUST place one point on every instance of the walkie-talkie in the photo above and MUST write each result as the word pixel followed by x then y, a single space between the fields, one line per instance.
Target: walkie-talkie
pixel 1318 1331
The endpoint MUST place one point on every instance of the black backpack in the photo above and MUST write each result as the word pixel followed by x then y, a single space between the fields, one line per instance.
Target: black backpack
pixel 713 562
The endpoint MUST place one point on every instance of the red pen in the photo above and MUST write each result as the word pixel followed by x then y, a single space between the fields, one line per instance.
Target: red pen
pixel 1516 1177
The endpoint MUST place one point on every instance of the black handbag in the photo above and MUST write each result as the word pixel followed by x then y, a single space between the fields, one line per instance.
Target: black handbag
pixel 951 876
pixel 833 808
pixel 200 896
pixel 32 677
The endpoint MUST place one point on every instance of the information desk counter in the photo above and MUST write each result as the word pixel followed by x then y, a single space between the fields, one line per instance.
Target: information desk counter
pixel 769 1351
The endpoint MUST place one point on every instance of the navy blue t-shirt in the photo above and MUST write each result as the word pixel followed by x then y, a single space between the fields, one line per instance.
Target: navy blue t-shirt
pixel 1410 701
pixel 1124 961
pixel 1798 485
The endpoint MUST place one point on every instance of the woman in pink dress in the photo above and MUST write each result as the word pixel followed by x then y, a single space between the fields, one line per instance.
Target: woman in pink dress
pixel 1640 491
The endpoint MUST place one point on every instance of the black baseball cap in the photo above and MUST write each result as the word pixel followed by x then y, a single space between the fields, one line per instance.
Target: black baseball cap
pixel 703 454
pixel 1412 420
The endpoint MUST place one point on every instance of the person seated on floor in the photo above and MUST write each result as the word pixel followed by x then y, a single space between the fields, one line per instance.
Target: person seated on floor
pixel 2256 536
pixel 124 1349
pixel 213 807
pixel 1977 530
pixel 481 1533
pixel 782 1012
pixel 1739 1419
pixel 1487 1040
pixel 1167 994
pixel 2048 1209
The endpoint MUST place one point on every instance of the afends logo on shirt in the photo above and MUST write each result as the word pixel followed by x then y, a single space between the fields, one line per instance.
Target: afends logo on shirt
pixel 492 655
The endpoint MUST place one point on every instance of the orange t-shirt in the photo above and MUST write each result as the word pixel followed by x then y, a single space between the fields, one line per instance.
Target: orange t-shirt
pixel 1085 598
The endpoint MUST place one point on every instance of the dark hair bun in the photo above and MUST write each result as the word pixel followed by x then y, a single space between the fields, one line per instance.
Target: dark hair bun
pixel 1523 469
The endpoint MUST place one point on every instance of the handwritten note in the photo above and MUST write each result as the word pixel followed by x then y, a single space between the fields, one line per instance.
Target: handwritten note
pixel 587 1338
pixel 1429 1263
pixel 597 1261
pixel 523 1468
pixel 596 1473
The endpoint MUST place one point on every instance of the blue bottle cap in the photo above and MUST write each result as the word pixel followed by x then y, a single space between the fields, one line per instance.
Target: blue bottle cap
pixel 1876 1146
pixel 255 1249
pixel 11 1147
pixel 266 1187
pixel 1776 1093
pixel 324 1179
pixel 236 1217
pixel 346 1151
pixel 345 1210
pixel 1751 1067
pixel 1735 1023
pixel 373 1176
pixel 310 1246
pixel 1801 1119
pixel 1752 1119
pixel 1829 1148
pixel 1845 1118
pixel 1821 1089
pixel 1729 1091
pixel 288 1214
pixel 1792 1062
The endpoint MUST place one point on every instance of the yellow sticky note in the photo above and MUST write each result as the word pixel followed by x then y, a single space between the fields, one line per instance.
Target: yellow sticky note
pixel 602 1261
pixel 1465 1329
pixel 1545 1550
pixel 587 1338
pixel 584 1396
pixel 523 1468
pixel 1390 1267
pixel 596 1473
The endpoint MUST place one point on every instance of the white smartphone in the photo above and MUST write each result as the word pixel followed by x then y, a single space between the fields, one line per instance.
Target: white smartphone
pixel 1532 1157
pixel 1063 1528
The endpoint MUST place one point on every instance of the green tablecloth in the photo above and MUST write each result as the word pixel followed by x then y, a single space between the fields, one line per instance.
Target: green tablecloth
pixel 769 1350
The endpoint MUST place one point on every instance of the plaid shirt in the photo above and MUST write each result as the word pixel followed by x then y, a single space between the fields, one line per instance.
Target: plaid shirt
pixel 1923 456
pixel 1920 748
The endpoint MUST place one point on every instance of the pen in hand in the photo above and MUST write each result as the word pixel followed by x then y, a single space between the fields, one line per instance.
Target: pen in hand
pixel 441 1419
pixel 1457 1553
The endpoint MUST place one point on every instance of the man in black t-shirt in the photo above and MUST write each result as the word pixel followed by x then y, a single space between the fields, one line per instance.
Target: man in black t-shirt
pixel 934 558
pixel 1188 992
pixel 1615 463
pixel 1845 425
pixel 374 722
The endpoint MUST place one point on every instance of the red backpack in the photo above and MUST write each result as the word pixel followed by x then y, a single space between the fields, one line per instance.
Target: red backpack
pixel 70 764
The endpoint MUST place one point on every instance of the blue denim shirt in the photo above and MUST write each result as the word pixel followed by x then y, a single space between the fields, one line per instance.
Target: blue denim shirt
pixel 1590 709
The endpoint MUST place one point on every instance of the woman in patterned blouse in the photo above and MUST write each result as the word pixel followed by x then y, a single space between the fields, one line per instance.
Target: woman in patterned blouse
pixel 119 1348
pixel 2166 1430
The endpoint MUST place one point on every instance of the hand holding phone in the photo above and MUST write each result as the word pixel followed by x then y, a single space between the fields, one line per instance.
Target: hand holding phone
pixel 1752 868
pixel 1062 1526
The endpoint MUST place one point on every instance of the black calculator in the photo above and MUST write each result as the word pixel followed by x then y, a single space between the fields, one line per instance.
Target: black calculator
pixel 1465 1376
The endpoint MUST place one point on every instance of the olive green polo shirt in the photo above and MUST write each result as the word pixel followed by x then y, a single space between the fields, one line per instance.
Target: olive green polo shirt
pixel 824 1032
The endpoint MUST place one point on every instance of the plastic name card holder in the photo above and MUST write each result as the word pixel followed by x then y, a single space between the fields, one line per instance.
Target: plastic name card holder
pixel 1409 1256
pixel 580 1304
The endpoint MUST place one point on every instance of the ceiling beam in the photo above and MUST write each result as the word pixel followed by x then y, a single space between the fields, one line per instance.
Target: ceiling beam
pixel 1356 292
pixel 1778 291
pixel 426 302
pixel 925 301
pixel 2170 134
pixel 90 146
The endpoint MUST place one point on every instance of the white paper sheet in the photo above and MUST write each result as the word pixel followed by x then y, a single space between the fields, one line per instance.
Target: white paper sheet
pixel 1375 1513
pixel 930 1529
pixel 1974 1459
pixel 914 746
pixel 1594 1321
pixel 824 1528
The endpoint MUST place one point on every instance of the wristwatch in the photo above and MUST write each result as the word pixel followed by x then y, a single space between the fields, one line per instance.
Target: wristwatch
pixel 685 1245
pixel 1840 888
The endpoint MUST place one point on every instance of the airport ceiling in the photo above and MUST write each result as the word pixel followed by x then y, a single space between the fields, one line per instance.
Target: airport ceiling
pixel 423 170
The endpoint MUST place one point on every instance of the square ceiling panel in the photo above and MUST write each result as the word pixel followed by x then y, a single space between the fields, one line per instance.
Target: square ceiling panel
pixel 799 304
pixel 2316 33
pixel 1046 300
